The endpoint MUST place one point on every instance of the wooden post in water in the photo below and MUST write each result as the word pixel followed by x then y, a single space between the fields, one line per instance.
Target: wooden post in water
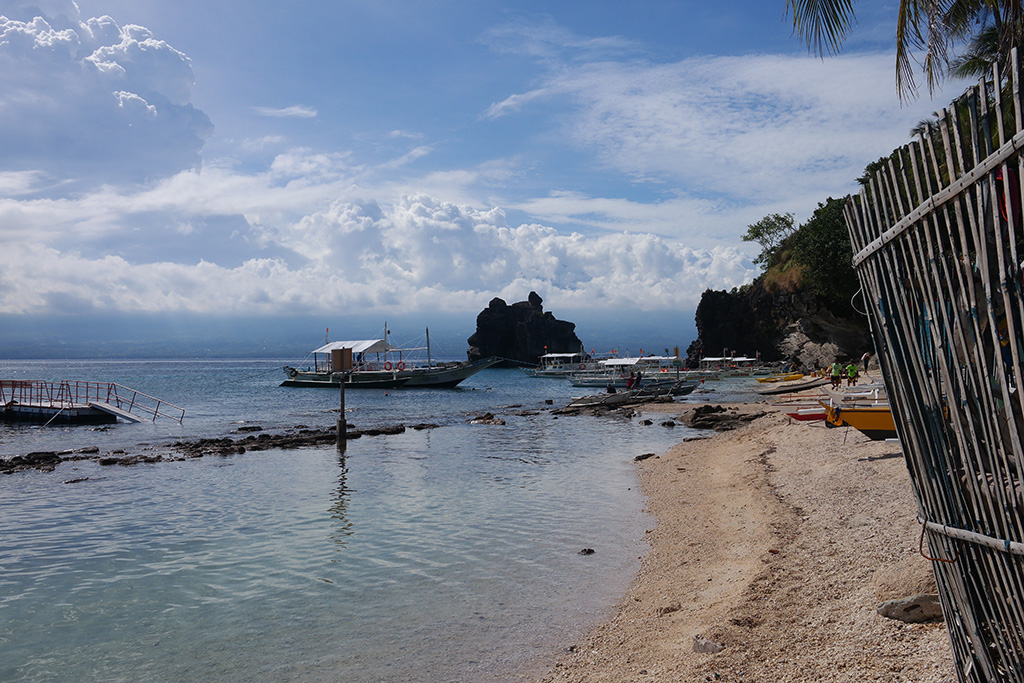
pixel 341 364
pixel 342 433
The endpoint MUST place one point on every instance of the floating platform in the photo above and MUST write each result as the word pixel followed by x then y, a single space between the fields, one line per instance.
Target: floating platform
pixel 80 403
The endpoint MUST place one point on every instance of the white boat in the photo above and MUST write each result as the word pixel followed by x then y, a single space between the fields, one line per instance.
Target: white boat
pixel 376 364
pixel 560 365
pixel 615 372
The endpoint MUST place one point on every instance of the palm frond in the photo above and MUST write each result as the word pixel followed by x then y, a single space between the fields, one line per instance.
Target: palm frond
pixel 822 24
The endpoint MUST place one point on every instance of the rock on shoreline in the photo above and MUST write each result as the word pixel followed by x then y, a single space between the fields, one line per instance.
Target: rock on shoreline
pixel 299 437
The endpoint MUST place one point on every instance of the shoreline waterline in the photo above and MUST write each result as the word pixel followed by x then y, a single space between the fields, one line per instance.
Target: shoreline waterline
pixel 776 541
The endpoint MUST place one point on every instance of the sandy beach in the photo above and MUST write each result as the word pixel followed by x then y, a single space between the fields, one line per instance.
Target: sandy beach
pixel 778 541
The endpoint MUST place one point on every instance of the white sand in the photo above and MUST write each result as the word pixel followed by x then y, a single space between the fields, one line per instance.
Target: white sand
pixel 777 540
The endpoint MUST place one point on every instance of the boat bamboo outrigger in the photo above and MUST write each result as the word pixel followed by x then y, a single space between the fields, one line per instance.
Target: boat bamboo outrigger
pixel 376 364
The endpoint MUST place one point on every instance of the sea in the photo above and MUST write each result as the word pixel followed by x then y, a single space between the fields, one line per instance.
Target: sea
pixel 456 553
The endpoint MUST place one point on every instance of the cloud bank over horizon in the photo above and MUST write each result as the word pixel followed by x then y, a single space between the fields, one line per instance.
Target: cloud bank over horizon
pixel 110 202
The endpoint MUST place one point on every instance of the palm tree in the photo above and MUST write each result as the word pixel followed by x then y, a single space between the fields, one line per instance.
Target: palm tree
pixel 936 26
pixel 926 126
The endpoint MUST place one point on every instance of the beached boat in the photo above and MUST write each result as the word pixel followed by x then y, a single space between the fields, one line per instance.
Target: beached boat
pixel 874 421
pixel 791 377
pixel 376 364
pixel 804 410
pixel 788 388
pixel 618 398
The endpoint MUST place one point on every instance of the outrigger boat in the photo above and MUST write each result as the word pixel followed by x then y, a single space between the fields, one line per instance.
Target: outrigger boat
pixel 376 364
pixel 560 365
pixel 615 372
pixel 873 421
pixel 790 387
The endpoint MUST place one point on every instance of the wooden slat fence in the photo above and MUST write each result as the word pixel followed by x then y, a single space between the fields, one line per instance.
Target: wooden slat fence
pixel 938 242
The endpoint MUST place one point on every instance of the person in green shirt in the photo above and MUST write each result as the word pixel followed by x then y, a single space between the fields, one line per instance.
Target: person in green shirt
pixel 851 375
pixel 836 372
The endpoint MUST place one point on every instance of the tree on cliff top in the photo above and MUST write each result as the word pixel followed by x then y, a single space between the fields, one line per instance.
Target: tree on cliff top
pixel 817 256
pixel 771 233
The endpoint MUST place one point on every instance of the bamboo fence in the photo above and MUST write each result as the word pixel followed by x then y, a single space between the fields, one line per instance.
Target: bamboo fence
pixel 938 242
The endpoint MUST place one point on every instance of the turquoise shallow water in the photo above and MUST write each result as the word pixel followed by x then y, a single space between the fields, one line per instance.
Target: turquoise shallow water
pixel 449 554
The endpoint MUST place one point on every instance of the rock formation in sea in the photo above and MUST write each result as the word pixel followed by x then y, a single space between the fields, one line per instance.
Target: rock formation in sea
pixel 797 327
pixel 521 333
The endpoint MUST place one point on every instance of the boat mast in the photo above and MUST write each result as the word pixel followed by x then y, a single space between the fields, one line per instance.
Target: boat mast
pixel 429 364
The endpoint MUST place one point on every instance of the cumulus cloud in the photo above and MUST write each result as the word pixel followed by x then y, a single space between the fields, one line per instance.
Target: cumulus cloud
pixel 93 101
pixel 418 254
pixel 712 144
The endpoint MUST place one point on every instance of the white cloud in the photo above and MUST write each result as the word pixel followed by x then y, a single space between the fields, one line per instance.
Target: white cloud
pixel 294 111
pixel 745 127
pixel 693 151
pixel 514 103
pixel 418 254
pixel 94 102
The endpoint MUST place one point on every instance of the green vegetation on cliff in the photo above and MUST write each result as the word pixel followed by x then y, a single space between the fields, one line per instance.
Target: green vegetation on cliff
pixel 817 255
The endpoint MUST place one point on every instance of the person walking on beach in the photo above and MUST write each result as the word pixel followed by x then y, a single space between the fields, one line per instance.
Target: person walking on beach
pixel 836 372
pixel 851 375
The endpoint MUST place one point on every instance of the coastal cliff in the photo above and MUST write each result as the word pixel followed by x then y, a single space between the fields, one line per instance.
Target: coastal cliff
pixel 798 326
pixel 521 332
pixel 802 309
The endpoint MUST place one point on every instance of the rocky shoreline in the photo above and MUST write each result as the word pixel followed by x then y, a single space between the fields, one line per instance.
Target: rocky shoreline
pixel 256 440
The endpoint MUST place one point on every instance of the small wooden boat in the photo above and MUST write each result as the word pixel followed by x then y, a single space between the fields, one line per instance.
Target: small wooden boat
pixel 618 398
pixel 804 411
pixel 781 378
pixel 874 421
pixel 789 388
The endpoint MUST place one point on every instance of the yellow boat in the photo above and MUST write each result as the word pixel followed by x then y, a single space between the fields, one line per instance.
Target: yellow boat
pixel 781 378
pixel 874 421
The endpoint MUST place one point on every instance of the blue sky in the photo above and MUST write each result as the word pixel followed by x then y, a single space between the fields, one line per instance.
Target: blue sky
pixel 256 159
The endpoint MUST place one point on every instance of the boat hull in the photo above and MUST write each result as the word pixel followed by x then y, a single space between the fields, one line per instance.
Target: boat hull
pixel 874 422
pixel 433 378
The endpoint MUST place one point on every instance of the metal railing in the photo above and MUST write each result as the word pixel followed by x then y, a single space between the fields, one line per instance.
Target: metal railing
pixel 68 394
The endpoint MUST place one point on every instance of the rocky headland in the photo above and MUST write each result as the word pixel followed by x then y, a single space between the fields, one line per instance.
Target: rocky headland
pixel 798 327
pixel 521 333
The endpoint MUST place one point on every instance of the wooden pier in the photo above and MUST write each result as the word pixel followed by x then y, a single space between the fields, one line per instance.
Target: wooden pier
pixel 78 402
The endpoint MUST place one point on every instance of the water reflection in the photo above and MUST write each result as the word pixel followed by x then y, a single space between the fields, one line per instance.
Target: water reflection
pixel 339 508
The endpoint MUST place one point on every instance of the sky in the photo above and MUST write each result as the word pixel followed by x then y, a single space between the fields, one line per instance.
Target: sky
pixel 329 163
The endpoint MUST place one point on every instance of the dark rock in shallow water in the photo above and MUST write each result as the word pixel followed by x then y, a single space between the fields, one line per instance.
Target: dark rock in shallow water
pixel 521 332
pixel 487 419
pixel 45 461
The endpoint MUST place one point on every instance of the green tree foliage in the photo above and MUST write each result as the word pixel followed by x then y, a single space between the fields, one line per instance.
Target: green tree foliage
pixel 771 233
pixel 822 246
